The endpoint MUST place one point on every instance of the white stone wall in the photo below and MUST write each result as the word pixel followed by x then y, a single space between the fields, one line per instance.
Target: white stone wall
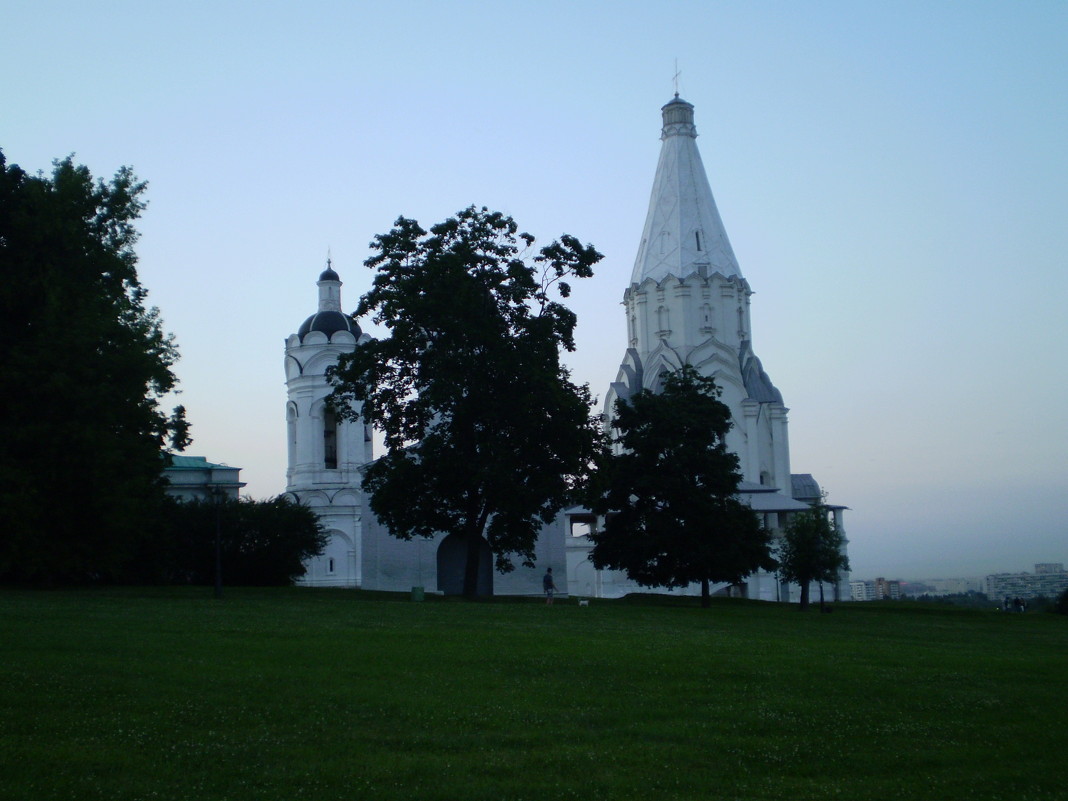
pixel 398 565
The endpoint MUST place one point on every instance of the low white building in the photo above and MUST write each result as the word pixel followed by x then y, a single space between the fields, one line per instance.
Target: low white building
pixel 583 579
pixel 195 478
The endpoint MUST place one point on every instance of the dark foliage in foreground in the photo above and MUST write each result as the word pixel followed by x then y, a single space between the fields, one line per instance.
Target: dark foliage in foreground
pixel 263 543
pixel 83 367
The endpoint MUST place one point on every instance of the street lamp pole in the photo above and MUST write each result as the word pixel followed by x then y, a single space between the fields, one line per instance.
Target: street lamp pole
pixel 219 494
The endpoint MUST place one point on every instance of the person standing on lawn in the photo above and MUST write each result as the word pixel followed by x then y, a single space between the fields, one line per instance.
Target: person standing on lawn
pixel 549 586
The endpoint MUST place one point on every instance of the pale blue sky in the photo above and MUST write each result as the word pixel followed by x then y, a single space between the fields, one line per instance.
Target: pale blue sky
pixel 893 178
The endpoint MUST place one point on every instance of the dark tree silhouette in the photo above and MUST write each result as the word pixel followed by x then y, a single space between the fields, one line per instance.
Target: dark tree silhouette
pixel 486 434
pixel 84 365
pixel 670 492
pixel 263 543
pixel 811 550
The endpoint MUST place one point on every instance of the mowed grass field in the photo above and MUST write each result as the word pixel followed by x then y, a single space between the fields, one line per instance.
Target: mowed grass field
pixel 318 694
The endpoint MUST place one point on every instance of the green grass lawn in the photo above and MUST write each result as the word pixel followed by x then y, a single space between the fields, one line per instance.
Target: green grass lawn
pixel 318 694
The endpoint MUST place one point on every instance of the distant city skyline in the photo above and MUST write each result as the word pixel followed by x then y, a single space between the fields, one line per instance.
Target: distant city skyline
pixel 892 178
pixel 1035 569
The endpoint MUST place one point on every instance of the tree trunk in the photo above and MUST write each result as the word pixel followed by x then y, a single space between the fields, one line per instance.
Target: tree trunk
pixel 823 607
pixel 471 567
pixel 476 524
pixel 706 600
pixel 803 606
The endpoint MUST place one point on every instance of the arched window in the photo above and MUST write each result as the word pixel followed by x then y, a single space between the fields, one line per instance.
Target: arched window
pixel 329 441
pixel 291 433
pixel 663 322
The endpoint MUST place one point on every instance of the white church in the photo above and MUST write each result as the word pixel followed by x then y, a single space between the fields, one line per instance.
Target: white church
pixel 687 302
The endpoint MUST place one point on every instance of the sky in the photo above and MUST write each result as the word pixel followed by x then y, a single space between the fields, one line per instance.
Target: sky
pixel 893 177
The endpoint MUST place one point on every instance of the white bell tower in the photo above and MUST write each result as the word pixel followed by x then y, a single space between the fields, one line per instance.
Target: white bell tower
pixel 325 454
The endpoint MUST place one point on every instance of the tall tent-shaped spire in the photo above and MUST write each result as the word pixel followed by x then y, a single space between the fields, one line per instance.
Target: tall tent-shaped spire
pixel 683 231
pixel 687 303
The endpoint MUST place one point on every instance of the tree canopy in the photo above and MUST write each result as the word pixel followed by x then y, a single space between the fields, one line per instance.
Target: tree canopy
pixel 486 435
pixel 84 365
pixel 669 492
pixel 811 549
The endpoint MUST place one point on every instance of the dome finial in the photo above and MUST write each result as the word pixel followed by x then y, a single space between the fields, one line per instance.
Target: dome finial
pixel 328 274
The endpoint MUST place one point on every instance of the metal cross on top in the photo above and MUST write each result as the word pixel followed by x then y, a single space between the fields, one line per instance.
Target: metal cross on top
pixel 675 78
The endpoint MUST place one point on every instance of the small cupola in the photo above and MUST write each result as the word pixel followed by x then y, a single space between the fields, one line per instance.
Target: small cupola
pixel 329 319
pixel 678 118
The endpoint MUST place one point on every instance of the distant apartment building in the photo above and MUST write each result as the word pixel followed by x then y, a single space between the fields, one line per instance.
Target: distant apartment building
pixel 1048 580
pixel 876 590
pixel 887 589
pixel 862 590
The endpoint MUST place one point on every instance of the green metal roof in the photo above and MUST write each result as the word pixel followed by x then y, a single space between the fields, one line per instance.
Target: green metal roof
pixel 179 462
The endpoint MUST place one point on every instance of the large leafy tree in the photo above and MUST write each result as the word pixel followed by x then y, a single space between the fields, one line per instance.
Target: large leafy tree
pixel 811 549
pixel 669 492
pixel 486 435
pixel 83 367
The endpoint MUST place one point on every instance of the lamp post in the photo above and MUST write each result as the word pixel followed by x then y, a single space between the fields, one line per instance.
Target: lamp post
pixel 219 493
pixel 219 483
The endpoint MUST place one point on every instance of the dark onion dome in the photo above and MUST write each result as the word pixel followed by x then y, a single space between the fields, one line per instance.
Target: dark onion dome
pixel 329 322
pixel 329 275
